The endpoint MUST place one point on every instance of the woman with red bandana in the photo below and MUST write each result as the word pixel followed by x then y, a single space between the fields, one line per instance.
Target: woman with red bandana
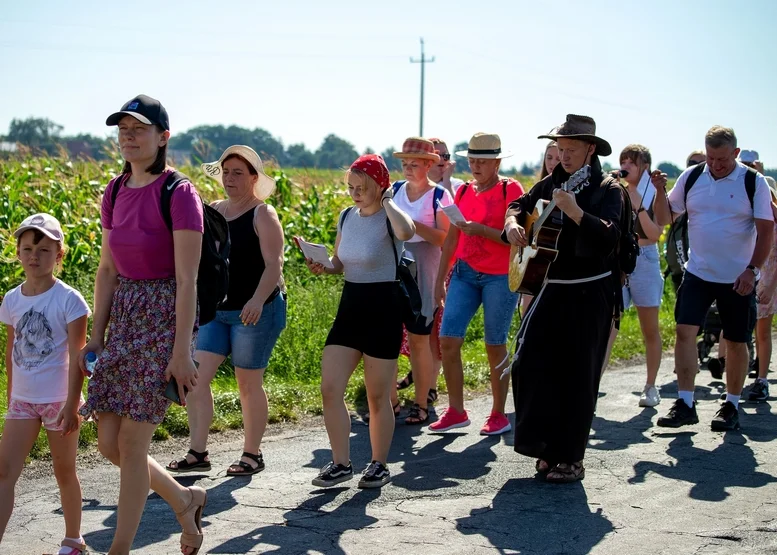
pixel 368 325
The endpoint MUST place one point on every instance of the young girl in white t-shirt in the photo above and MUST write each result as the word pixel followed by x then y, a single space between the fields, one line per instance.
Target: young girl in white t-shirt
pixel 46 324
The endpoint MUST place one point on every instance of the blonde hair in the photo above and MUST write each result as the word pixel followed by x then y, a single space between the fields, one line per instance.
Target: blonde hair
pixel 363 178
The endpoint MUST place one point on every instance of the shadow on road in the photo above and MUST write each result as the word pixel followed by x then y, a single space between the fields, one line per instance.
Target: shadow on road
pixel 308 527
pixel 528 512
pixel 612 435
pixel 731 464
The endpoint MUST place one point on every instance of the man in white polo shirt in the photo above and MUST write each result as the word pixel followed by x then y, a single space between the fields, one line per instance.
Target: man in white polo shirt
pixel 730 231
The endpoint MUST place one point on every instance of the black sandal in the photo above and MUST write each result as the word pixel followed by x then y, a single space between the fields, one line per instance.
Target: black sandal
pixel 247 469
pixel 199 464
pixel 396 408
pixel 566 473
pixel 542 466
pixel 406 382
pixel 415 415
pixel 432 397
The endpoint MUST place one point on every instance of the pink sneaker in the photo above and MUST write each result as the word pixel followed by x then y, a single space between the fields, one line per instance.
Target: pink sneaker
pixel 450 419
pixel 496 424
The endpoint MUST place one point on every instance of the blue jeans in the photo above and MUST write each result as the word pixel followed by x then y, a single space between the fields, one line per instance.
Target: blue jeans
pixel 646 284
pixel 250 346
pixel 467 291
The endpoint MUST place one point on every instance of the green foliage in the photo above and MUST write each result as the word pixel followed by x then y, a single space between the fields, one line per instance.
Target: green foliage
pixel 672 171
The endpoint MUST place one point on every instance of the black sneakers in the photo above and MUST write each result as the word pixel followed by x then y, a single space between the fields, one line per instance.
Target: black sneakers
pixel 333 474
pixel 679 415
pixel 759 391
pixel 727 418
pixel 375 476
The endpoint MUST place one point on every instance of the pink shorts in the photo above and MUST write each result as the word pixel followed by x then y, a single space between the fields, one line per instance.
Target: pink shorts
pixel 47 413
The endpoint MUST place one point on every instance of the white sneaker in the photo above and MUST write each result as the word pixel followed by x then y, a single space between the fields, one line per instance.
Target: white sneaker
pixel 649 397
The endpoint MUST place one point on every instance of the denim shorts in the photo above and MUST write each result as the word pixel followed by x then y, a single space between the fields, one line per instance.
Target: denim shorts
pixel 646 284
pixel 250 346
pixel 467 291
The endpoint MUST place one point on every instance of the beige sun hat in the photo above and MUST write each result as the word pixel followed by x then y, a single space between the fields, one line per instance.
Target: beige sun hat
pixel 418 147
pixel 265 185
pixel 485 145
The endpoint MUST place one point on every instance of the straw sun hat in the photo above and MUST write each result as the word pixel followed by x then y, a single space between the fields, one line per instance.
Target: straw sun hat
pixel 265 185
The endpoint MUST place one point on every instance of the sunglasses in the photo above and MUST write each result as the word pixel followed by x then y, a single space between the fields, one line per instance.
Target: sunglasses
pixel 445 156
pixel 692 163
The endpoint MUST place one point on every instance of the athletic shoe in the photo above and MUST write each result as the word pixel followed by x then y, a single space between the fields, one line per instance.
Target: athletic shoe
pixel 375 476
pixel 649 397
pixel 727 418
pixel 759 391
pixel 333 474
pixel 679 415
pixel 496 424
pixel 450 419
pixel 753 368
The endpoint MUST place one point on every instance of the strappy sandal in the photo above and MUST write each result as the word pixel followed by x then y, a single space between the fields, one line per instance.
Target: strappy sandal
pixel 415 415
pixel 542 466
pixel 564 473
pixel 432 397
pixel 406 382
pixel 247 469
pixel 76 548
pixel 396 408
pixel 197 504
pixel 199 464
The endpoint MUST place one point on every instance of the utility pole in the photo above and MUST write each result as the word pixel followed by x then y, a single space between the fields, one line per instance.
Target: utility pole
pixel 423 61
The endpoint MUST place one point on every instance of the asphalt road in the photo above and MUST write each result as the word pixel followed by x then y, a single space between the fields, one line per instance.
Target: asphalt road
pixel 647 490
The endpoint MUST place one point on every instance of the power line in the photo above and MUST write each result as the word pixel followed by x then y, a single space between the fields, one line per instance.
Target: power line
pixel 423 61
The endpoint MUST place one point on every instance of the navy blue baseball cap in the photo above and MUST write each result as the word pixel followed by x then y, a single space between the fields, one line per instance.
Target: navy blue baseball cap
pixel 144 109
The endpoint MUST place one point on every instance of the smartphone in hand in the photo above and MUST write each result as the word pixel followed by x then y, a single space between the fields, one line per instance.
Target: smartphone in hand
pixel 171 391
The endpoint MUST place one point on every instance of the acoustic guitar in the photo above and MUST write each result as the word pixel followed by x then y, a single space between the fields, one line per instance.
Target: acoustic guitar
pixel 529 265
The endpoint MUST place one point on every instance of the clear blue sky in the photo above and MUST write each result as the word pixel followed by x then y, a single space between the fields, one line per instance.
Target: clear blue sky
pixel 657 72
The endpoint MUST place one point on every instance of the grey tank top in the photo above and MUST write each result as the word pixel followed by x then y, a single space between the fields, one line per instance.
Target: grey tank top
pixel 365 248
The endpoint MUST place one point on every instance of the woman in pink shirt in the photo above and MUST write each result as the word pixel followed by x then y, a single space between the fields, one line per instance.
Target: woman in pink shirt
pixel 145 288
pixel 479 277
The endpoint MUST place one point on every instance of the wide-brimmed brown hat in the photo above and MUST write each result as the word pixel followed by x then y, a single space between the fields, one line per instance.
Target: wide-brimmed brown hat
pixel 582 128
pixel 485 145
pixel 418 147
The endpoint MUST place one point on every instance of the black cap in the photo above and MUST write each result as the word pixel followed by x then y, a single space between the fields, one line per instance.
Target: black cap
pixel 145 109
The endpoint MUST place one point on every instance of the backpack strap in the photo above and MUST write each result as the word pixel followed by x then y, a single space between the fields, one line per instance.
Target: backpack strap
pixel 504 189
pixel 343 216
pixel 750 185
pixel 692 178
pixel 168 188
pixel 439 192
pixel 117 185
pixel 393 246
pixel 397 185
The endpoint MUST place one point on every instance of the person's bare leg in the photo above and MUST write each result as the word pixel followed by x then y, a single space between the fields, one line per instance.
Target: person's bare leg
pixel 737 362
pixel 610 343
pixel 453 370
pixel 685 354
pixel 63 458
pixel 422 365
pixel 253 400
pixel 17 440
pixel 499 387
pixel 378 381
pixel 721 346
pixel 337 365
pixel 763 345
pixel 651 333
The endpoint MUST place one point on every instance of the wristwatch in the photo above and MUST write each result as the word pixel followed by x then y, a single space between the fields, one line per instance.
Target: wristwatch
pixel 641 209
pixel 756 272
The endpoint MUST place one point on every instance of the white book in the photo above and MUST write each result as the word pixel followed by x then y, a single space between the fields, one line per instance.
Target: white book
pixel 453 213
pixel 315 252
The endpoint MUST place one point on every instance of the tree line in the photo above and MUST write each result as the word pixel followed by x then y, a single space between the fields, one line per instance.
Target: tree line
pixel 207 142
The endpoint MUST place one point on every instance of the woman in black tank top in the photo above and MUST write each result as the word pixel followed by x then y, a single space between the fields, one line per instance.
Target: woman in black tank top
pixel 251 318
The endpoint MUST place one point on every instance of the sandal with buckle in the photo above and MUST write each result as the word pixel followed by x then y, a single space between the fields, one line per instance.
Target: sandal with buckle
pixel 197 504
pixel 247 469
pixel 415 415
pixel 199 464
pixel 396 408
pixel 432 397
pixel 406 382
pixel 564 473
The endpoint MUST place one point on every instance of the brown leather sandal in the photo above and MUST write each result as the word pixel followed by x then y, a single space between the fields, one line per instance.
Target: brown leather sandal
pixel 564 473
pixel 197 504
pixel 417 415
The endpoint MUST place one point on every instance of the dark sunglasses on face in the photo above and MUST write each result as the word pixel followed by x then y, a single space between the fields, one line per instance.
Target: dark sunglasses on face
pixel 445 156
pixel 692 163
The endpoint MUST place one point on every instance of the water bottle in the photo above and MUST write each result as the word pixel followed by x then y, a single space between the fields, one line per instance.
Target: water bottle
pixel 91 362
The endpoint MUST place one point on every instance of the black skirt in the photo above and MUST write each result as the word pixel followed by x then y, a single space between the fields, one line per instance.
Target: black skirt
pixel 368 320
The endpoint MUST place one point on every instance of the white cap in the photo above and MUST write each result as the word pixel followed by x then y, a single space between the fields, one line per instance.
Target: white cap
pixel 45 223
pixel 748 156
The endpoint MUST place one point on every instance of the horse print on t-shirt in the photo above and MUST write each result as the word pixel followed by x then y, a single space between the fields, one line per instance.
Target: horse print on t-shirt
pixel 33 340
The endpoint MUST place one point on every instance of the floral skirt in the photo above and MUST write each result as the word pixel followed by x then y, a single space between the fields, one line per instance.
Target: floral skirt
pixel 129 379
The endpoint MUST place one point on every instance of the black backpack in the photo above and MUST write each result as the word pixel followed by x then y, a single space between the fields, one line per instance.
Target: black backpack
pixel 213 272
pixel 677 244
pixel 627 248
